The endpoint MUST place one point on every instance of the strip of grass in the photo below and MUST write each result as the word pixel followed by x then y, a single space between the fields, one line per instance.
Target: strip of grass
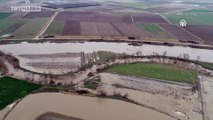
pixel 158 71
pixel 55 28
pixel 4 15
pixel 154 30
pixel 12 89
pixel 206 65
pixel 91 85
pixel 193 18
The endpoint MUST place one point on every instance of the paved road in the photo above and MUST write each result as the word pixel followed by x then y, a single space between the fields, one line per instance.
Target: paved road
pixel 207 96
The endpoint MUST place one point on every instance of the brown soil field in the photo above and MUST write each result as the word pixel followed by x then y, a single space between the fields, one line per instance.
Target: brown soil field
pixel 92 17
pixel 88 28
pixel 71 28
pixel 129 30
pixel 98 28
pixel 149 18
pixel 180 34
pixel 106 29
pixel 127 18
pixel 44 14
pixel 204 32
pixel 11 28
pixel 77 16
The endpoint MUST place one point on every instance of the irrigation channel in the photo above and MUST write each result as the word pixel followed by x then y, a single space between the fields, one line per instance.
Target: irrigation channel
pixel 89 47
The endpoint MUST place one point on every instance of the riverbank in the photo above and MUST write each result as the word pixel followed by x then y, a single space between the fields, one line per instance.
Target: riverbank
pixel 132 42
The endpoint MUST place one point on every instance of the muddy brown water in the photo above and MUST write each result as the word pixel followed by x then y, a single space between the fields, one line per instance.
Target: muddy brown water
pixel 82 107
pixel 88 47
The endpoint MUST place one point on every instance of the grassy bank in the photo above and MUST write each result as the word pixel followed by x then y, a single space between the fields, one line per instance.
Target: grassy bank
pixel 158 71
pixel 206 65
pixel 12 89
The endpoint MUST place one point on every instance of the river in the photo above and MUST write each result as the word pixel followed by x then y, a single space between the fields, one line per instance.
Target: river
pixel 205 55
pixel 86 108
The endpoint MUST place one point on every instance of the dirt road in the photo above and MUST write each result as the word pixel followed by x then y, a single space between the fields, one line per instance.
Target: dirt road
pixel 207 95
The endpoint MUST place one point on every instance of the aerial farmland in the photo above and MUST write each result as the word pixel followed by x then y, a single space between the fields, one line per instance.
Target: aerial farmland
pixel 106 60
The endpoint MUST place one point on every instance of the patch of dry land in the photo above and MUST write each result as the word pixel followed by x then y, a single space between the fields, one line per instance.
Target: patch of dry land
pixel 179 100
pixel 82 107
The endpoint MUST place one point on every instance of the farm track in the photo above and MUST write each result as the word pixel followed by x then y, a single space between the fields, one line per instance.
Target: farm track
pixel 42 31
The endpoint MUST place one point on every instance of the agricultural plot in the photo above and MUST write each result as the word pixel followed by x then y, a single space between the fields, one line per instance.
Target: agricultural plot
pixel 149 18
pixel 72 5
pixel 6 23
pixel 55 28
pixel 17 15
pixel 76 16
pixel 180 33
pixel 192 17
pixel 11 28
pixel 92 17
pixel 154 30
pixel 205 32
pixel 98 29
pixel 88 28
pixel 33 15
pixel 4 15
pixel 158 71
pixel 12 89
pixel 30 29
pixel 71 28
pixel 129 30
pixel 106 29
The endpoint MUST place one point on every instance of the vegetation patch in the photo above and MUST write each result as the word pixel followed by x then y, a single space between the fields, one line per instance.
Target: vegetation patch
pixel 4 15
pixel 154 30
pixel 206 65
pixel 30 29
pixel 92 84
pixel 157 71
pixel 12 89
pixel 55 28
pixel 6 23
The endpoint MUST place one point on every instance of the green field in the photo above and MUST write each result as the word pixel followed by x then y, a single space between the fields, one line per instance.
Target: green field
pixel 154 30
pixel 158 71
pixel 193 17
pixel 6 23
pixel 12 89
pixel 55 28
pixel 4 15
pixel 30 29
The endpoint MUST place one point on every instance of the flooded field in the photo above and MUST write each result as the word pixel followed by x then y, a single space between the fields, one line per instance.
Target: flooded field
pixel 89 47
pixel 86 108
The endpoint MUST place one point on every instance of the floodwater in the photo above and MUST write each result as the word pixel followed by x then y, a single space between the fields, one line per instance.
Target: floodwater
pixel 88 47
pixel 87 108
